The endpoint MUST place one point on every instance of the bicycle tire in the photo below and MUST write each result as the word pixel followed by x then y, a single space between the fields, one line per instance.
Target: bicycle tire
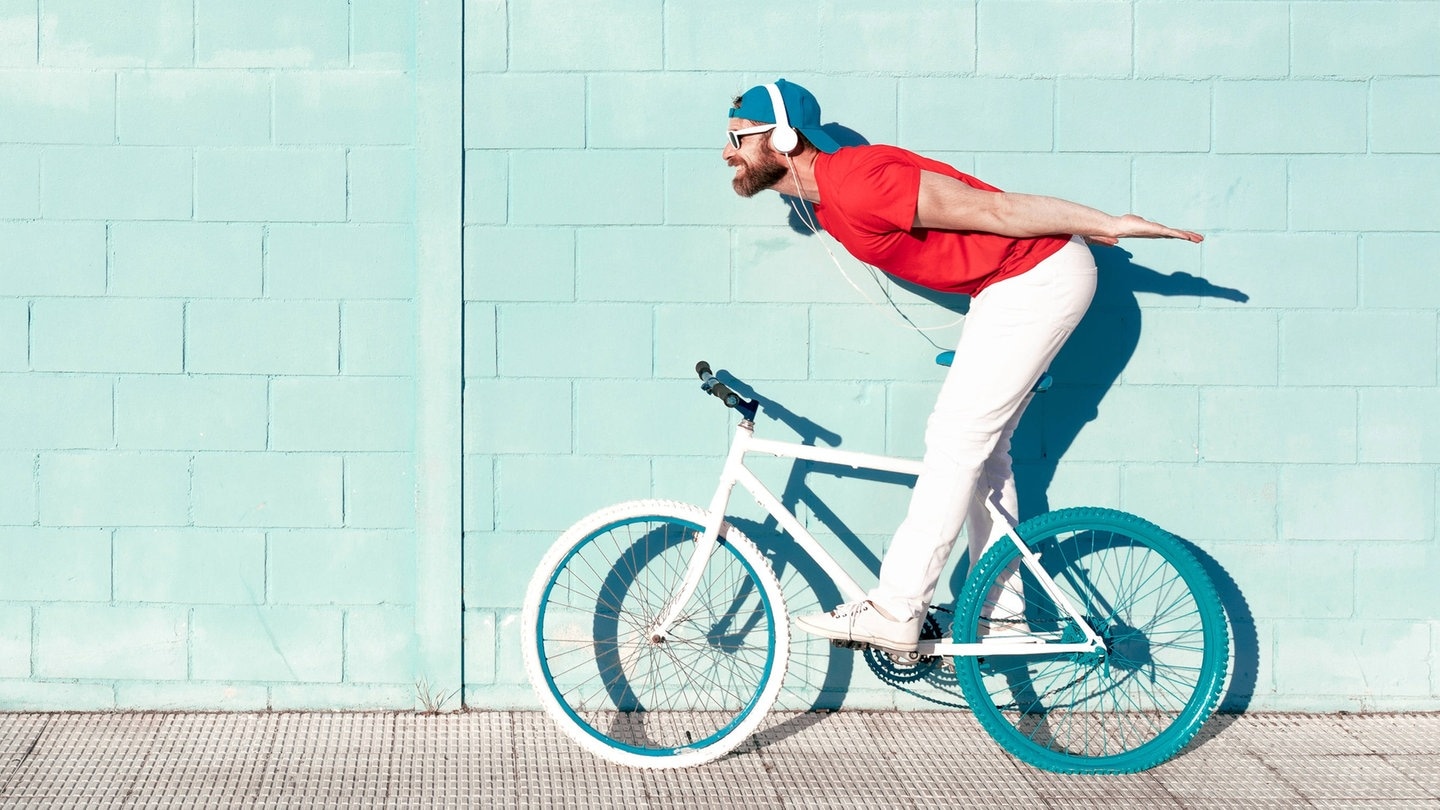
pixel 682 702
pixel 1127 708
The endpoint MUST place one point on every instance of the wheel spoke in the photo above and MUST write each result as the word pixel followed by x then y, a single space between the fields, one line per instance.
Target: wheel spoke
pixel 663 697
pixel 1139 700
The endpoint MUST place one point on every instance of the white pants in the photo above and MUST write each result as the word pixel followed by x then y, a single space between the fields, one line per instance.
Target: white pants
pixel 1014 329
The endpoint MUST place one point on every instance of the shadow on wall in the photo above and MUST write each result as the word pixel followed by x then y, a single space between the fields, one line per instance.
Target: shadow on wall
pixel 819 674
pixel 1090 363
pixel 1085 371
pixel 798 211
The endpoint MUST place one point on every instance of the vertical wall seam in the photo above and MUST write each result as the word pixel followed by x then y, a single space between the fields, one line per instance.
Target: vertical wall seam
pixel 190 490
pixel 459 448
pixel 184 336
pixel 194 33
pixel 1290 41
pixel 35 489
pixel 34 639
pixel 439 308
pixel 340 337
pixel 112 599
pixel 1134 38
pixel 194 155
pixel 114 413
pixel 265 255
pixel 349 213
pixel 345 646
pixel 344 490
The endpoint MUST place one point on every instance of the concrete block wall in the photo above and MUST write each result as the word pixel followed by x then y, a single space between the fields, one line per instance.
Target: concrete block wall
pixel 226 458
pixel 1269 396
pixel 207 283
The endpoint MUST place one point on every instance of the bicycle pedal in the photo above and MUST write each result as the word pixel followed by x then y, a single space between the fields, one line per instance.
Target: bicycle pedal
pixel 906 659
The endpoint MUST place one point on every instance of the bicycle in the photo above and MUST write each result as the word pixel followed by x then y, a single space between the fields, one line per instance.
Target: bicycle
pixel 656 634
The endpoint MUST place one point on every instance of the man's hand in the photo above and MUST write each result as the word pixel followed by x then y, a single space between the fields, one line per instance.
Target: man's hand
pixel 1131 226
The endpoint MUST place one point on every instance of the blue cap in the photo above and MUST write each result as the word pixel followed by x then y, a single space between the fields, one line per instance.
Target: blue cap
pixel 800 107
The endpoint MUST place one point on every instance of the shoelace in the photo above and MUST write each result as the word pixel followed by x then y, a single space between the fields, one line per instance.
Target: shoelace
pixel 849 609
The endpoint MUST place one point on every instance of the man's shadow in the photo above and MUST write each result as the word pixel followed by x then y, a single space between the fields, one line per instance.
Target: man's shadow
pixel 1090 363
pixel 1084 372
pixel 799 214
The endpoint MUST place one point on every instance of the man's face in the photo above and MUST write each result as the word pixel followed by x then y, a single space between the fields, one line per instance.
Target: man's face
pixel 757 166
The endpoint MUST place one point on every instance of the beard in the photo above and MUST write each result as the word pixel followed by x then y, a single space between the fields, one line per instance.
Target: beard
pixel 751 179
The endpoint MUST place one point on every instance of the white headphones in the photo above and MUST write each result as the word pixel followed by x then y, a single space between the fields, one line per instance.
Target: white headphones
pixel 783 138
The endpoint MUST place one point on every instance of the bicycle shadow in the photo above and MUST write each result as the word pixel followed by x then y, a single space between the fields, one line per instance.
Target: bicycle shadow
pixel 1085 371
pixel 824 672
pixel 806 585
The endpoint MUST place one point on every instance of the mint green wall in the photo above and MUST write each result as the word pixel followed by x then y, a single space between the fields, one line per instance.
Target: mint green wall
pixel 1290 437
pixel 208 293
pixel 235 465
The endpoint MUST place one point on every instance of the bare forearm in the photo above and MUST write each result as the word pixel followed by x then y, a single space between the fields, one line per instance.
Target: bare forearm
pixel 947 203
pixel 1034 215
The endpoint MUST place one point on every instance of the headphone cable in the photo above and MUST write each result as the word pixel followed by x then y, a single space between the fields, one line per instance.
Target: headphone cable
pixel 903 319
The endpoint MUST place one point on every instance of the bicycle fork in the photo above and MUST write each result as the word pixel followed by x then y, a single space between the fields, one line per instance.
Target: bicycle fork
pixel 706 542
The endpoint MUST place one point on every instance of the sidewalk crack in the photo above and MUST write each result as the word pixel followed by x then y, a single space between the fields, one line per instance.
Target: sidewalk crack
pixel 14 765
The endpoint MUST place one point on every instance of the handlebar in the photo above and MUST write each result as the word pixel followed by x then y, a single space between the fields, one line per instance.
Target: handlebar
pixel 714 387
pixel 710 385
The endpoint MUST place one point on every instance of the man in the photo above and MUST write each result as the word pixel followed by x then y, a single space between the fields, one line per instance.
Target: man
pixel 1023 260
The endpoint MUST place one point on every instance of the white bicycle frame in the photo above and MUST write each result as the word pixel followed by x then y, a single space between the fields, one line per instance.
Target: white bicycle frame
pixel 735 472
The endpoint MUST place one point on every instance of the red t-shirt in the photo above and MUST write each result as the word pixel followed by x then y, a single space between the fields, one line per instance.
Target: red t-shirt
pixel 868 196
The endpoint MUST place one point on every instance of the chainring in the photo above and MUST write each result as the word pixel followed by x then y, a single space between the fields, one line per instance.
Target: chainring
pixel 894 670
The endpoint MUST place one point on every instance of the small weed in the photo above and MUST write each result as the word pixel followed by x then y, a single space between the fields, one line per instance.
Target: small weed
pixel 433 701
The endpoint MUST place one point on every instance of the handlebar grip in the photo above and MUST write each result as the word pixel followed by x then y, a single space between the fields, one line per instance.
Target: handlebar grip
pixel 712 386
pixel 730 398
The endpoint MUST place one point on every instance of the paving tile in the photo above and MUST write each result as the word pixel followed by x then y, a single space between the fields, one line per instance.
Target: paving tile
pixel 797 759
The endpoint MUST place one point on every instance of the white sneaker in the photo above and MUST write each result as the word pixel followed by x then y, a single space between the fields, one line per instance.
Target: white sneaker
pixel 863 622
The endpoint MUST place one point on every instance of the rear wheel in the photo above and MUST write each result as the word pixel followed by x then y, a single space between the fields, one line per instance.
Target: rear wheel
pixel 1125 708
pixel 618 691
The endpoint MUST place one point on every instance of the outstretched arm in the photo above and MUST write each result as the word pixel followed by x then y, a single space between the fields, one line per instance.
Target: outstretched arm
pixel 950 204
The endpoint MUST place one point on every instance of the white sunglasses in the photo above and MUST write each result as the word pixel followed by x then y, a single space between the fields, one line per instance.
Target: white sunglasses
pixel 737 134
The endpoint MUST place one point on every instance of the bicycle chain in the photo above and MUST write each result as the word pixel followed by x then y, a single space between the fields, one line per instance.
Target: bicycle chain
pixel 938 671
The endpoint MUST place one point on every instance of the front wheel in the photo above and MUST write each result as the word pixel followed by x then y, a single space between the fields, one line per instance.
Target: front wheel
pixel 1122 709
pixel 625 695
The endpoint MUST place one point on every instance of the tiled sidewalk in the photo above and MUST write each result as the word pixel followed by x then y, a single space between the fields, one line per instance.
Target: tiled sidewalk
pixel 845 759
